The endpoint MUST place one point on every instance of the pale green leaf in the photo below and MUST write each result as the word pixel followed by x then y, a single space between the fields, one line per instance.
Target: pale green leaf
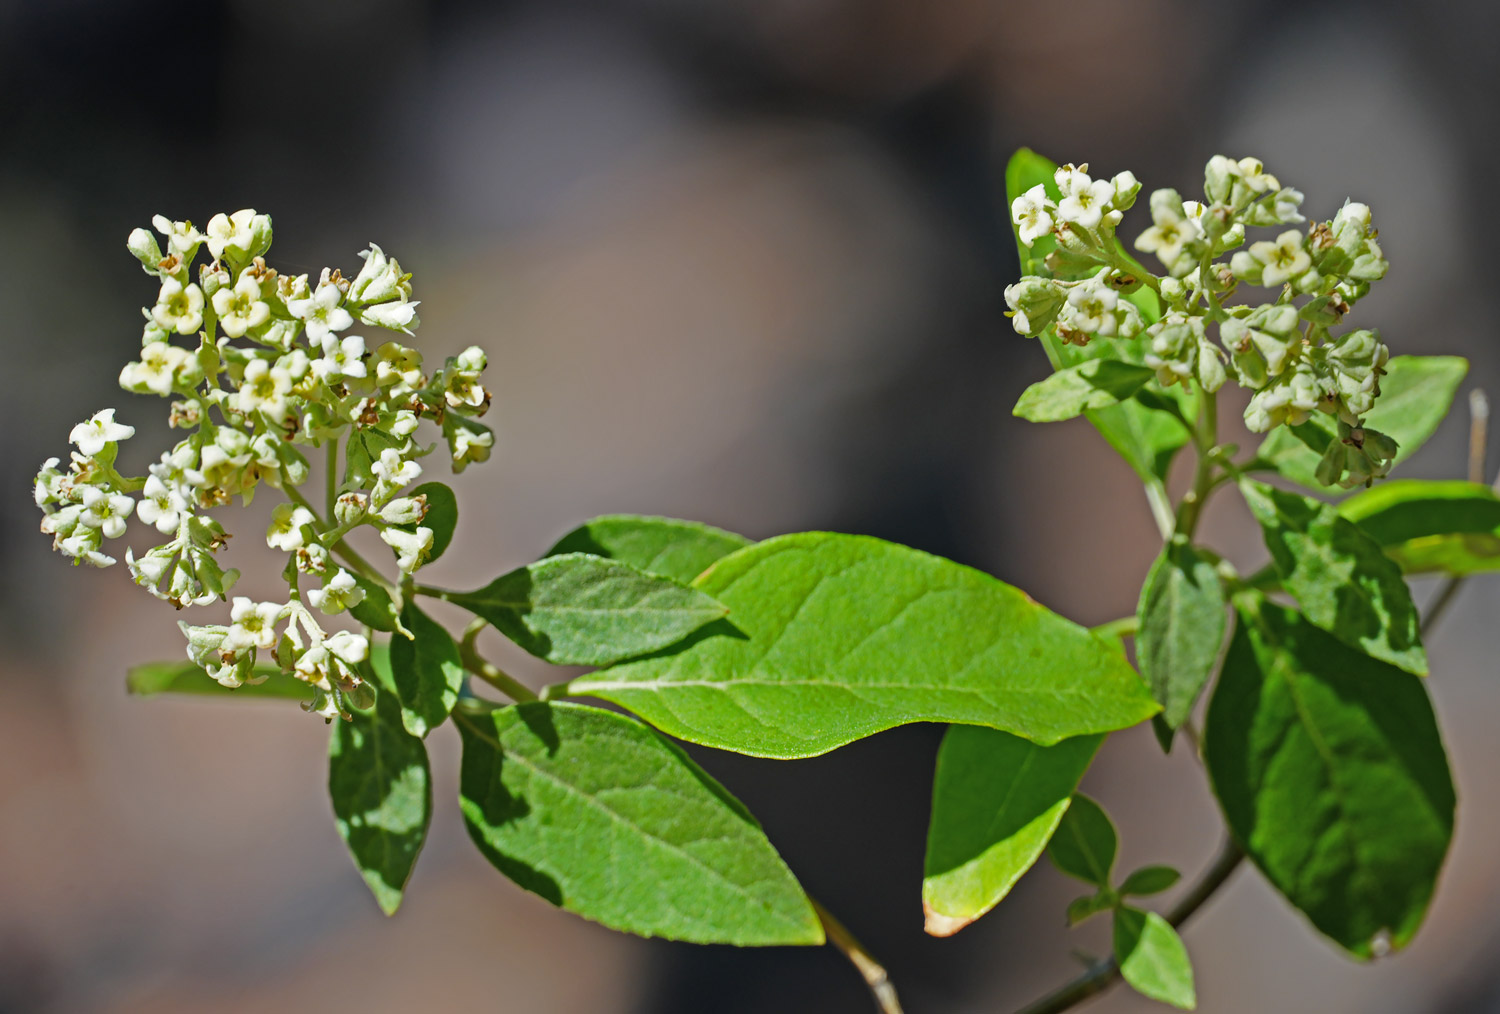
pixel 996 799
pixel 677 549
pixel 1332 776
pixel 1181 628
pixel 603 817
pixel 1339 575
pixel 831 638
pixel 381 787
pixel 186 678
pixel 1415 395
pixel 1450 527
pixel 1097 383
pixel 580 609
pixel 1085 842
pixel 1152 958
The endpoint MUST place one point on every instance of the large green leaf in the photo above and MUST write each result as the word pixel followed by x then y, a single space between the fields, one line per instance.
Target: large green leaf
pixel 1415 395
pixel 580 609
pixel 835 637
pixel 1097 383
pixel 1181 628
pixel 381 788
pixel 677 549
pixel 1146 438
pixel 186 678
pixel 1332 776
pixel 1085 843
pixel 603 817
pixel 1152 958
pixel 1339 575
pixel 425 670
pixel 996 799
pixel 1451 527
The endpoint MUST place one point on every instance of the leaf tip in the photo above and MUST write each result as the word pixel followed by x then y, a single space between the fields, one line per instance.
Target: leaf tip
pixel 936 924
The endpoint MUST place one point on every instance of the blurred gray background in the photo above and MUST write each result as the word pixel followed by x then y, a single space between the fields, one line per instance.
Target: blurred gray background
pixel 735 260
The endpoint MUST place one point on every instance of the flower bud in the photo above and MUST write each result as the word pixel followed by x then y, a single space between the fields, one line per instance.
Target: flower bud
pixel 142 245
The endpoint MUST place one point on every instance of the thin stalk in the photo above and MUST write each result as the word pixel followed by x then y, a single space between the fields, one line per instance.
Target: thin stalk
pixel 1123 627
pixel 872 971
pixel 342 548
pixel 333 477
pixel 1205 438
pixel 488 671
pixel 1161 508
pixel 1104 974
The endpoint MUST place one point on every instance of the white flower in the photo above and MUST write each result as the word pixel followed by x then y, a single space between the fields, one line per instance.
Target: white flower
pixel 392 471
pixel 235 233
pixel 1031 214
pixel 404 510
pixel 48 488
pixel 241 309
pixel 157 370
pixel 1091 309
pixel 1170 233
pixel 349 647
pixel 411 547
pixel 337 594
pixel 182 238
pixel 105 511
pixel 265 389
pixel 285 532
pixel 91 436
pixel 1084 200
pixel 404 424
pixel 321 312
pixel 470 447
pixel 162 505
pixel 1353 211
pixel 83 546
pixel 342 357
pixel 252 624
pixel 1284 259
pixel 379 280
pixel 398 366
pixel 397 316
pixel 178 308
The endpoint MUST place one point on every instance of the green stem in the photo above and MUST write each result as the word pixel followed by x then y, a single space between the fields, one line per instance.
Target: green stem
pixel 1123 627
pixel 487 671
pixel 1104 974
pixel 342 548
pixel 1161 508
pixel 1206 437
pixel 870 970
pixel 333 476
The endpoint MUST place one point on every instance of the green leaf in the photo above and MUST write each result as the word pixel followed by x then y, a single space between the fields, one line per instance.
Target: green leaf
pixel 680 550
pixel 363 450
pixel 1415 395
pixel 426 671
pixel 1146 438
pixel 996 799
pixel 1339 575
pixel 1450 527
pixel 441 516
pixel 1090 905
pixel 375 610
pixel 1152 958
pixel 1181 629
pixel 1149 880
pixel 603 817
pixel 381 788
pixel 1085 842
pixel 186 678
pixel 1097 383
pixel 579 609
pixel 1332 776
pixel 835 637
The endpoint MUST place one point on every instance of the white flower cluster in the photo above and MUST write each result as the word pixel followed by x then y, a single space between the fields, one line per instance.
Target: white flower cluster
pixel 1283 351
pixel 271 364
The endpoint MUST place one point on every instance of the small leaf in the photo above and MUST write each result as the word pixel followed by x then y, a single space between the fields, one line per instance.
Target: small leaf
pixel 186 678
pixel 1339 575
pixel 579 609
pixel 996 799
pixel 441 516
pixel 381 788
pixel 1332 776
pixel 1080 909
pixel 835 637
pixel 375 610
pixel 1149 880
pixel 1450 527
pixel 1152 958
pixel 677 549
pixel 603 817
pixel 426 671
pixel 1181 629
pixel 1085 843
pixel 1097 383
pixel 1415 395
